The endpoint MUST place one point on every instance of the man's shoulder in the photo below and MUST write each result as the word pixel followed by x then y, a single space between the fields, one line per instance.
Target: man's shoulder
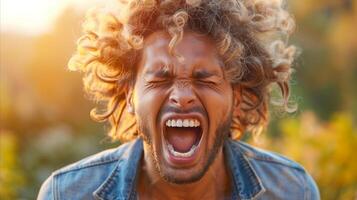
pixel 83 177
pixel 277 173
pixel 259 155
pixel 106 157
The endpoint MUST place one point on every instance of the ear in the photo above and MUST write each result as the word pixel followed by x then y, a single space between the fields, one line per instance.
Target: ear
pixel 129 101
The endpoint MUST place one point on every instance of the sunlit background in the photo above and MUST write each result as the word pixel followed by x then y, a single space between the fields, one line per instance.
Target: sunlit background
pixel 44 115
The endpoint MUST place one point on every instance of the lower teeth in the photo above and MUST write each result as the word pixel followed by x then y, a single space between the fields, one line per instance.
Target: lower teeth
pixel 179 154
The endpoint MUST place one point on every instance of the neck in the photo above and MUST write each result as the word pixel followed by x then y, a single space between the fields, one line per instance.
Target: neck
pixel 215 183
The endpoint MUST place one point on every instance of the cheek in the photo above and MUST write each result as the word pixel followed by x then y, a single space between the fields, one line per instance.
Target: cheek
pixel 218 105
pixel 147 105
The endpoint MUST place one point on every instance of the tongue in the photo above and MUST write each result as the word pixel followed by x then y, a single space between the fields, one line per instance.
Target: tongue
pixel 181 139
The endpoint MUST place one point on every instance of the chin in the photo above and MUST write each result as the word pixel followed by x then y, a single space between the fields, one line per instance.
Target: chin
pixel 183 175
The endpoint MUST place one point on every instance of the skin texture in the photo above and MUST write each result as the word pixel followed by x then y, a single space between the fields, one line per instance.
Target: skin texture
pixel 195 86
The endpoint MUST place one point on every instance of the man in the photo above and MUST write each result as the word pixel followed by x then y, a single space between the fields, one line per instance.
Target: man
pixel 181 81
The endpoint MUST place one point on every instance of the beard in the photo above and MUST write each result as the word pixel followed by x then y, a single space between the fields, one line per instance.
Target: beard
pixel 221 134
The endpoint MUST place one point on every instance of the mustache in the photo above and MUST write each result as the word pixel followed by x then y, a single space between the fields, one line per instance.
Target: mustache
pixel 170 109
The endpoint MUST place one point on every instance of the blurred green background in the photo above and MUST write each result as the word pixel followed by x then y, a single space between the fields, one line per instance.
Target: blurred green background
pixel 44 115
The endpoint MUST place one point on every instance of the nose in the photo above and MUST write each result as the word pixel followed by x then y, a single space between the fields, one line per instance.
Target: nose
pixel 182 96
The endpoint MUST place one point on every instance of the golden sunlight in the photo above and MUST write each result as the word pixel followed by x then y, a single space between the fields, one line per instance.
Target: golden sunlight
pixel 33 16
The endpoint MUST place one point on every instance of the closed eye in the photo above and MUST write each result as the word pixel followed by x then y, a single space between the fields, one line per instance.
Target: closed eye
pixel 157 77
pixel 206 82
pixel 158 81
pixel 206 77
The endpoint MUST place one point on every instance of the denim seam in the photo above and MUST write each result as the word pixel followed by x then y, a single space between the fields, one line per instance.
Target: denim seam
pixel 64 171
pixel 251 175
pixel 96 196
pixel 109 184
pixel 55 189
pixel 277 162
pixel 113 178
pixel 255 155
pixel 257 177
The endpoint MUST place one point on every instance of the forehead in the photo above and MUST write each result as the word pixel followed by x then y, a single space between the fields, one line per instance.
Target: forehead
pixel 200 43
pixel 193 48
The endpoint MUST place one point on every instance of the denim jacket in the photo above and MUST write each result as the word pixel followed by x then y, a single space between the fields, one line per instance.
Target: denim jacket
pixel 112 175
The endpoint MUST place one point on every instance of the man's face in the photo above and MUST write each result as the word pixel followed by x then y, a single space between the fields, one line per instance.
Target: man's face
pixel 183 108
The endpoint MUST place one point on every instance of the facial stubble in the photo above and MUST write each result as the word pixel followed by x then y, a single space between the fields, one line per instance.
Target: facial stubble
pixel 221 135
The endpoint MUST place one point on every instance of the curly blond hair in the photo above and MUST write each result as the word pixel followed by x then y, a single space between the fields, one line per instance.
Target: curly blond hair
pixel 250 36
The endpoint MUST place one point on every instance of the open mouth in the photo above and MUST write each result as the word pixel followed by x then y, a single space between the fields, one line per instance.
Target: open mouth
pixel 182 137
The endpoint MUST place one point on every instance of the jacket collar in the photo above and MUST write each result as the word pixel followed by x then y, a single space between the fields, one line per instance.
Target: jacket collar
pixel 121 183
pixel 247 184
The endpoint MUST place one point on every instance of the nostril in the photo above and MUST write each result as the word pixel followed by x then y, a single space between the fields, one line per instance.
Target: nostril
pixel 190 101
pixel 182 101
pixel 173 100
pixel 182 97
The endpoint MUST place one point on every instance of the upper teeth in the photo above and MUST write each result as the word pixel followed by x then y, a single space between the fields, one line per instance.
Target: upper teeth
pixel 183 123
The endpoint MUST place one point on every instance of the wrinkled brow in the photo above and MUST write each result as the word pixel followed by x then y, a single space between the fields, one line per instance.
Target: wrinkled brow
pixel 202 74
pixel 162 72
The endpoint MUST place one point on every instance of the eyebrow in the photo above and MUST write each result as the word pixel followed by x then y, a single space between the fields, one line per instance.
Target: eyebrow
pixel 202 74
pixel 163 72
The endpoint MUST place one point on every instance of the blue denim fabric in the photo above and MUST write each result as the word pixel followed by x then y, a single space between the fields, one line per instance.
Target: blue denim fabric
pixel 112 174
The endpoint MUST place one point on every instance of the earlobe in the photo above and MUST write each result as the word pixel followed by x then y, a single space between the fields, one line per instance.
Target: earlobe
pixel 129 102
